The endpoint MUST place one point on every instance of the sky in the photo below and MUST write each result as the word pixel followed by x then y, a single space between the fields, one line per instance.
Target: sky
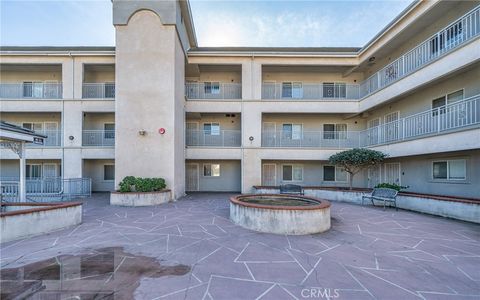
pixel 267 23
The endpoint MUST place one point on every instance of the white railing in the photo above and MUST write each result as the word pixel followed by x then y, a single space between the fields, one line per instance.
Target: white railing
pixel 456 115
pixel 31 90
pixel 205 138
pixel 314 139
pixel 434 121
pixel 98 90
pixel 200 90
pixel 99 138
pixel 444 41
pixel 54 139
pixel 310 91
pixel 46 189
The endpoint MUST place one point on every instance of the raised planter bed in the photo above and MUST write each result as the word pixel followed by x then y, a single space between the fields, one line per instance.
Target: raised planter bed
pixel 140 198
pixel 21 220
pixel 464 209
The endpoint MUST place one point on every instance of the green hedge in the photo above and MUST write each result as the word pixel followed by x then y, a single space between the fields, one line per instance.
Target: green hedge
pixel 138 184
pixel 391 186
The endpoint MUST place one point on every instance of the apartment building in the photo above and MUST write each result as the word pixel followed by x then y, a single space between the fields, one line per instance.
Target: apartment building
pixel 229 119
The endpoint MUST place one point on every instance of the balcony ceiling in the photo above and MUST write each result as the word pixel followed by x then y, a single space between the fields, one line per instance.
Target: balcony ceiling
pixel 99 67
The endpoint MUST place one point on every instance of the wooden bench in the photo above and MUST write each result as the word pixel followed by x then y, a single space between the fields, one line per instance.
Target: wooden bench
pixel 383 194
pixel 291 189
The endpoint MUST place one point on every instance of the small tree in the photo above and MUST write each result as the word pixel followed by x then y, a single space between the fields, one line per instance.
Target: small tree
pixel 357 159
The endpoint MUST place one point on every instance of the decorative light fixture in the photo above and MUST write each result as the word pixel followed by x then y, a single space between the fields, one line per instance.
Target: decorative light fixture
pixel 251 138
pixel 142 132
pixel 71 137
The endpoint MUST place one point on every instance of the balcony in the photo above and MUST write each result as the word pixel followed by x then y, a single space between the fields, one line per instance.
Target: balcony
pixel 207 138
pixel 310 91
pixel 213 90
pixel 311 139
pixel 446 40
pixel 54 139
pixel 31 90
pixel 98 91
pixel 452 116
pixel 98 138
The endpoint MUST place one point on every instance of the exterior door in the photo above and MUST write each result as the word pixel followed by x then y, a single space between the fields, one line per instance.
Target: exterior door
pixel 392 173
pixel 269 174
pixel 192 134
pixel 53 136
pixel 192 177
pixel 373 131
pixel 269 134
pixel 374 176
pixel 392 129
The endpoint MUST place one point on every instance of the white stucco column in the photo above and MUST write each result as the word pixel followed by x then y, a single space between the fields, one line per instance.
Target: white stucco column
pixel 22 191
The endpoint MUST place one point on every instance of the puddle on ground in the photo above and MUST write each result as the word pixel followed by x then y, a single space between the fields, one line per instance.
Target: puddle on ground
pixel 106 273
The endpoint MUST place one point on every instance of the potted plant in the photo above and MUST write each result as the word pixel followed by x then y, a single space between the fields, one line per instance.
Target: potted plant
pixel 137 191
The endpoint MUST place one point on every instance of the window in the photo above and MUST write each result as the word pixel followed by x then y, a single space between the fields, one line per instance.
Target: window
pixel 109 130
pixel 292 131
pixel 108 172
pixel 292 173
pixel 37 127
pixel 109 90
pixel 334 89
pixel 334 131
pixel 212 88
pixel 332 173
pixel 211 170
pixel 211 128
pixel 33 171
pixel 292 90
pixel 439 103
pixel 450 169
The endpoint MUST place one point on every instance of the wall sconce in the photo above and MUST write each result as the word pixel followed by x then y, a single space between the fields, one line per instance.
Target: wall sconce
pixel 142 132
pixel 251 139
pixel 71 137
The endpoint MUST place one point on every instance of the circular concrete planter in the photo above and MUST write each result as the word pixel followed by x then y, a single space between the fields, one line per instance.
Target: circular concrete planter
pixel 140 198
pixel 294 220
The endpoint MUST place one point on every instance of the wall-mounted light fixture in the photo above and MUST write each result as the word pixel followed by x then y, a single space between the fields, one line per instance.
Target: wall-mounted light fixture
pixel 71 137
pixel 251 138
pixel 142 132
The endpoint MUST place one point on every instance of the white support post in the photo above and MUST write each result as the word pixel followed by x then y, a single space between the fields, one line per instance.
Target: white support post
pixel 22 193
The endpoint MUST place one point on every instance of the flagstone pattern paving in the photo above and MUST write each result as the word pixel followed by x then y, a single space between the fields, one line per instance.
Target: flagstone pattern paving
pixel 368 253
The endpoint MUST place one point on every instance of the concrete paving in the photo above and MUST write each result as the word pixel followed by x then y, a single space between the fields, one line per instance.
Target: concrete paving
pixel 368 253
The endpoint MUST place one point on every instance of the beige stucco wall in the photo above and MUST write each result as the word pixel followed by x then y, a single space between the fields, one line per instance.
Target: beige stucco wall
pixel 31 117
pixel 226 123
pixel 11 167
pixel 145 44
pixel 98 76
pixel 313 122
pixel 311 76
pixel 220 76
pixel 96 121
pixel 31 75
pixel 228 181
pixel 94 169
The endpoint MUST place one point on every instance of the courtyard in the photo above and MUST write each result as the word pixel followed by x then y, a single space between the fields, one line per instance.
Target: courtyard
pixel 189 249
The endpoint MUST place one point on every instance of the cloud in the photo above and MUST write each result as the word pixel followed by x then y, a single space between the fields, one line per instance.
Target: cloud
pixel 303 24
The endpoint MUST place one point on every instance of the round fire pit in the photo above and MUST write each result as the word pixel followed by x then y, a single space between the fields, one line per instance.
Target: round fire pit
pixel 280 214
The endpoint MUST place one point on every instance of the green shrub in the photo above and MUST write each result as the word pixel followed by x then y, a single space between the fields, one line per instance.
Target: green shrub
pixel 138 184
pixel 391 186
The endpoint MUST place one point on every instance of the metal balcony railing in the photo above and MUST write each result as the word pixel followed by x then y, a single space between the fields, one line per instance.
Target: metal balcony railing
pixel 98 91
pixel 98 138
pixel 222 138
pixel 31 90
pixel 46 189
pixel 310 91
pixel 308 139
pixel 452 116
pixel 201 90
pixel 54 139
pixel 457 33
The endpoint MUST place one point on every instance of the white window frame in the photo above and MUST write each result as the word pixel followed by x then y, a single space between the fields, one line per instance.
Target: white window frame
pixel 109 180
pixel 445 96
pixel 40 167
pixel 213 89
pixel 293 166
pixel 448 169
pixel 211 131
pixel 294 124
pixel 337 169
pixel 386 165
pixel 211 173
pixel 50 164
pixel 296 89
pixel 335 132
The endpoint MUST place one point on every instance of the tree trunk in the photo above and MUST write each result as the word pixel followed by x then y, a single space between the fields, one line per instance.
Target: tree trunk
pixel 351 181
